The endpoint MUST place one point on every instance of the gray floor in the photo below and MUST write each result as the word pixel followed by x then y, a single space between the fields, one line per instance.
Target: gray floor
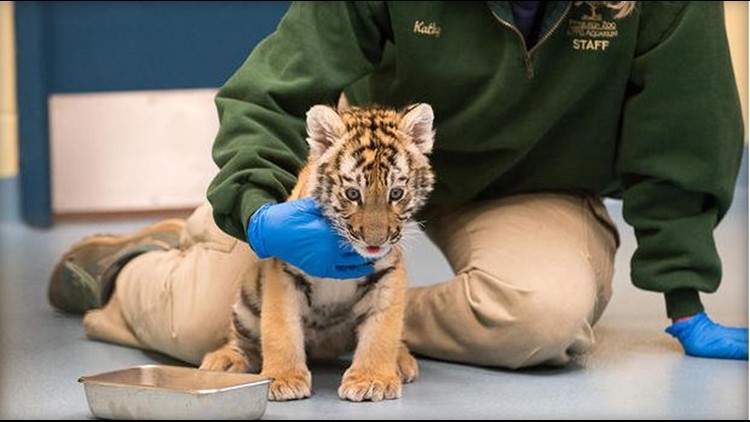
pixel 635 369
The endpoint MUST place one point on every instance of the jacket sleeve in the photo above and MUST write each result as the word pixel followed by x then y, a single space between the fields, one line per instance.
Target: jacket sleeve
pixel 681 145
pixel 318 49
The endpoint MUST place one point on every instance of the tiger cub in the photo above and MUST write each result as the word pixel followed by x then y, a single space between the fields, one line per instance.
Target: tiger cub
pixel 368 171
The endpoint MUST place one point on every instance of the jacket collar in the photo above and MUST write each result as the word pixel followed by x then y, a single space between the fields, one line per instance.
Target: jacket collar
pixel 553 13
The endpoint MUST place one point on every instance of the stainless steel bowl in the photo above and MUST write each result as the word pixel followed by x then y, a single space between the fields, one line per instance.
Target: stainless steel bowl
pixel 173 392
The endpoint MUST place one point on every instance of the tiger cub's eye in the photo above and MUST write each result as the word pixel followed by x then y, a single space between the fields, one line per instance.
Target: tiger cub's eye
pixel 396 194
pixel 352 194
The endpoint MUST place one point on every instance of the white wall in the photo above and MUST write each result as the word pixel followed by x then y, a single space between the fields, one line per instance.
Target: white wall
pixel 131 151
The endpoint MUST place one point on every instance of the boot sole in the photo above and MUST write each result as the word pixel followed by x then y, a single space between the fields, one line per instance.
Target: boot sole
pixel 173 225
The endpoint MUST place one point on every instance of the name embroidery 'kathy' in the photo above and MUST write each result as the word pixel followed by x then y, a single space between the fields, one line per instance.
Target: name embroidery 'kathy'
pixel 431 29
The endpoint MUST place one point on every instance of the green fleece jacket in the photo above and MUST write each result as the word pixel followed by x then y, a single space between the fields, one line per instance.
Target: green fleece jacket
pixel 643 108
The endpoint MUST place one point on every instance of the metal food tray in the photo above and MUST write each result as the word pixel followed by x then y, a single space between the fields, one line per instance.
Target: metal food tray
pixel 173 392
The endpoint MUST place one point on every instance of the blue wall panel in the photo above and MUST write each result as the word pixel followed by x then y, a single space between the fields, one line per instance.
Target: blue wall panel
pixel 33 147
pixel 69 47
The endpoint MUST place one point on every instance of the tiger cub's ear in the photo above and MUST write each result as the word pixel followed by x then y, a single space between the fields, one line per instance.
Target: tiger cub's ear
pixel 324 128
pixel 417 123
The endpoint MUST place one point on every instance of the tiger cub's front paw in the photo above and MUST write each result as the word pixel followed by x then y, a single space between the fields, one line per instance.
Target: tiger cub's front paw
pixel 289 385
pixel 362 384
pixel 226 359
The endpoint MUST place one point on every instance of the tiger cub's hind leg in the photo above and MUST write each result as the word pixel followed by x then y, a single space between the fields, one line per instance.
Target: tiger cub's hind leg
pixel 230 358
pixel 241 353
pixel 408 369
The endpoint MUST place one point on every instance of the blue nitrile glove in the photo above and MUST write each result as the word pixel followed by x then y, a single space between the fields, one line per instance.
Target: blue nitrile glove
pixel 296 232
pixel 704 338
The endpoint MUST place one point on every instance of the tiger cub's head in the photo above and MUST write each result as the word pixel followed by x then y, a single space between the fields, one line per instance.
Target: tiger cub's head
pixel 369 170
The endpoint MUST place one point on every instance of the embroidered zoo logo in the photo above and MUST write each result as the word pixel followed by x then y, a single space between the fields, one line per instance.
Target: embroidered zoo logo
pixel 591 31
pixel 431 29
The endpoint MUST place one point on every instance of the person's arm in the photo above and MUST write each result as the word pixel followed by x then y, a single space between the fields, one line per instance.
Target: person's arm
pixel 681 145
pixel 318 49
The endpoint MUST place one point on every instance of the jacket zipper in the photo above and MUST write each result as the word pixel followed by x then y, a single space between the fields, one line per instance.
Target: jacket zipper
pixel 526 52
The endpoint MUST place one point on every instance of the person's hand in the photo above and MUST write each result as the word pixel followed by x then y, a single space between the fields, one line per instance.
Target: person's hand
pixel 702 337
pixel 297 233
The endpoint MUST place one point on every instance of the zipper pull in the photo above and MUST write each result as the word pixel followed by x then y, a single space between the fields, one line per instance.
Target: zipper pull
pixel 529 65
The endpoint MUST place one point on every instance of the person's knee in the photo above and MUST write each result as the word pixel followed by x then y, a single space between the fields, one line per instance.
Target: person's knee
pixel 518 327
pixel 550 329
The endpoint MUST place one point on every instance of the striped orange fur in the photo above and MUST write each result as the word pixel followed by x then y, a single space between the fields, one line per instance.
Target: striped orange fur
pixel 369 172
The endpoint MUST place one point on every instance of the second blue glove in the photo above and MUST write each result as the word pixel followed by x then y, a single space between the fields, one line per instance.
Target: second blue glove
pixel 298 233
pixel 702 337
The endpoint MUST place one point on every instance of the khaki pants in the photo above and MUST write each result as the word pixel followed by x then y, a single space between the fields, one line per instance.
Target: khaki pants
pixel 533 274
